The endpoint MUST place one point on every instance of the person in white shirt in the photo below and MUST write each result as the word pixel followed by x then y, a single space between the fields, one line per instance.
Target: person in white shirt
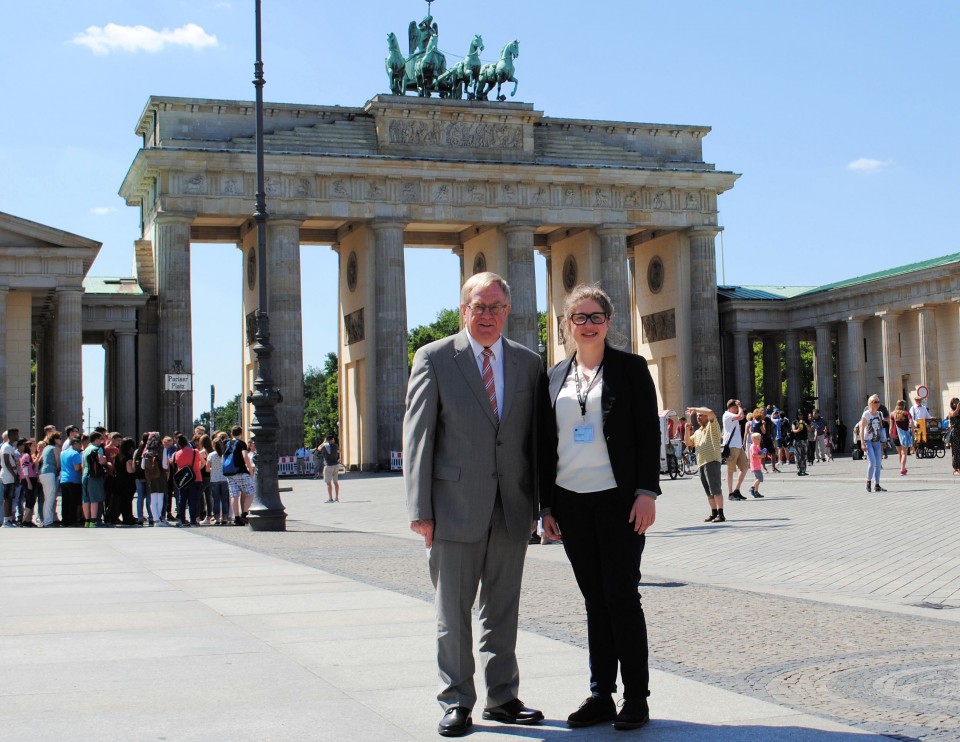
pixel 920 414
pixel 733 438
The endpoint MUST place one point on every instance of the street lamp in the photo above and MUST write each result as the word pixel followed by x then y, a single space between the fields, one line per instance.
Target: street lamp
pixel 266 513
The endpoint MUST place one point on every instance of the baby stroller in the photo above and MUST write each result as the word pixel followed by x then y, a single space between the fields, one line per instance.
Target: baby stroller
pixel 934 445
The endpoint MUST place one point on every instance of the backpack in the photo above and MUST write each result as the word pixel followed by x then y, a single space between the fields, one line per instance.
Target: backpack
pixel 230 466
pixel 95 470
pixel 150 466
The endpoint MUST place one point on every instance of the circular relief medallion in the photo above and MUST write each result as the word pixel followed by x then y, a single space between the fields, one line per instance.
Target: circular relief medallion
pixel 251 268
pixel 569 273
pixel 352 272
pixel 480 263
pixel 655 274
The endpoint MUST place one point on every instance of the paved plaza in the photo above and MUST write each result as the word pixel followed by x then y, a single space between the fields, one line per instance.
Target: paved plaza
pixel 821 612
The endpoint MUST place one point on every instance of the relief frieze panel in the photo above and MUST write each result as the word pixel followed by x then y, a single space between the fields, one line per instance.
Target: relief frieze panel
pixel 459 134
pixel 659 326
pixel 353 326
pixel 231 185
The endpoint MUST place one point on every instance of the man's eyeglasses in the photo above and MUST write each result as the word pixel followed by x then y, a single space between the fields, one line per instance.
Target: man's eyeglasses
pixel 597 318
pixel 479 309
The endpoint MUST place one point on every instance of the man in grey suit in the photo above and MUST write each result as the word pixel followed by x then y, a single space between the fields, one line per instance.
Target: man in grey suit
pixel 470 477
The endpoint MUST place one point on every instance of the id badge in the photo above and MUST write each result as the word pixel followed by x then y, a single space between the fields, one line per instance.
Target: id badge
pixel 583 434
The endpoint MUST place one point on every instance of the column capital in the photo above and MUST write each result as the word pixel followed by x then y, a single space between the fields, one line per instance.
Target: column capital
pixel 704 231
pixel 171 217
pixel 888 314
pixel 851 320
pixel 69 290
pixel 622 230
pixel 123 332
pixel 523 227
pixel 285 220
pixel 388 223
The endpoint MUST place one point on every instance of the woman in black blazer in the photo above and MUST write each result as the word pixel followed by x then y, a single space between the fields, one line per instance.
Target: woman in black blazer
pixel 601 478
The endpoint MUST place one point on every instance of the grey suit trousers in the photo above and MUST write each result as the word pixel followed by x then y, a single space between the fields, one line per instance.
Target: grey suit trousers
pixel 494 566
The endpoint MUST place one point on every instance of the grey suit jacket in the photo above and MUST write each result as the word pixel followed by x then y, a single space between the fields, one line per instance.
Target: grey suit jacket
pixel 455 454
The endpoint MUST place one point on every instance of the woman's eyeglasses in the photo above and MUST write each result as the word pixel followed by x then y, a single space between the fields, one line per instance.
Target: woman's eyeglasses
pixel 597 318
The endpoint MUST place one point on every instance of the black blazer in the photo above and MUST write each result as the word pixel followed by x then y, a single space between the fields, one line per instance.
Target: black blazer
pixel 631 425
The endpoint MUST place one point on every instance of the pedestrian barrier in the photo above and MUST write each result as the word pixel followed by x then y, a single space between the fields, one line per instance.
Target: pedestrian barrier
pixel 396 460
pixel 287 466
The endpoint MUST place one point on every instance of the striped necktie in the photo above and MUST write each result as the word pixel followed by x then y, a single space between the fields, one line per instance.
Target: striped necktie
pixel 488 381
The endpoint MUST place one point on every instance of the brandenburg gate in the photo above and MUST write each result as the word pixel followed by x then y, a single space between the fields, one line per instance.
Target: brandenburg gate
pixel 631 205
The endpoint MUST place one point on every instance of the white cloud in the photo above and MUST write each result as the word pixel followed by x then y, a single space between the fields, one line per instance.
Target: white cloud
pixel 867 165
pixel 102 210
pixel 134 39
pixel 223 6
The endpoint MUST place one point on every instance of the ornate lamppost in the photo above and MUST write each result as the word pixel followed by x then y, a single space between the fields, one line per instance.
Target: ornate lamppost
pixel 267 512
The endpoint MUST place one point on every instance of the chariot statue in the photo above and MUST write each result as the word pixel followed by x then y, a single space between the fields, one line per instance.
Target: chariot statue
pixel 424 70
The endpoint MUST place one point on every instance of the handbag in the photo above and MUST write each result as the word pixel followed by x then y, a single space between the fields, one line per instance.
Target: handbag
pixel 185 476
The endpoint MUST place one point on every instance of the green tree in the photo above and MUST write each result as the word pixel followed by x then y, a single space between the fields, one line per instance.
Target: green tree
pixel 321 401
pixel 446 324
pixel 225 416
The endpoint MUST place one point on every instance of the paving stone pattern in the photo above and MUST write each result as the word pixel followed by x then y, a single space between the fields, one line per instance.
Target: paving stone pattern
pixel 887 671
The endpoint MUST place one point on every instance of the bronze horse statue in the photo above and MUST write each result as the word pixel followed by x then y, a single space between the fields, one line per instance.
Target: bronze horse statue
pixel 499 73
pixel 396 65
pixel 431 65
pixel 458 78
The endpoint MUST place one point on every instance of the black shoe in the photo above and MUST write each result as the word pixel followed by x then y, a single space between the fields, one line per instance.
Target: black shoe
pixel 878 488
pixel 705 520
pixel 757 494
pixel 455 722
pixel 735 495
pixel 720 519
pixel 534 538
pixel 868 486
pixel 595 710
pixel 238 521
pixel 633 715
pixel 513 712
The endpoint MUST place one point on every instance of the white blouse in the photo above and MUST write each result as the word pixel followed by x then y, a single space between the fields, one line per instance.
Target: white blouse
pixel 582 466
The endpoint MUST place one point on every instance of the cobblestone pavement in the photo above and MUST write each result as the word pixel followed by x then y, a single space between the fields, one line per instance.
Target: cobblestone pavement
pixel 887 668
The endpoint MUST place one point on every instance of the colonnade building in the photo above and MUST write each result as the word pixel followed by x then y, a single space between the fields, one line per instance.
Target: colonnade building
pixel 633 206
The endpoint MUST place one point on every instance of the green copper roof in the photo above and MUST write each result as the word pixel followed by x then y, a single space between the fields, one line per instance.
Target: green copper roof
pixel 890 273
pixel 739 293
pixel 736 293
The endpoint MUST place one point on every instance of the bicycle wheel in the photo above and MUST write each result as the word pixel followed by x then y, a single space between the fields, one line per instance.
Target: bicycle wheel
pixel 672 467
pixel 691 464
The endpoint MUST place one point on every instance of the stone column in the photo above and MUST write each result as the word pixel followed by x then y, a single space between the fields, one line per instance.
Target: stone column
pixel 704 319
pixel 793 373
pixel 826 398
pixel 771 371
pixel 390 337
pixel 856 397
pixel 68 357
pixel 48 375
pixel 892 374
pixel 613 278
pixel 930 359
pixel 743 368
pixel 522 324
pixel 3 353
pixel 174 332
pixel 109 384
pixel 124 418
pixel 286 328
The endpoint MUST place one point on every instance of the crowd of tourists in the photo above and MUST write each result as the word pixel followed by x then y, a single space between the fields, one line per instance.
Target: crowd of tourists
pixel 766 436
pixel 102 479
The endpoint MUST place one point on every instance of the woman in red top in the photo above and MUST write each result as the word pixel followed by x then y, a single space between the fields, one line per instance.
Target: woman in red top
pixel 187 457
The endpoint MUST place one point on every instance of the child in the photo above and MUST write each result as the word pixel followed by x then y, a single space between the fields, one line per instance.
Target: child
pixel 756 463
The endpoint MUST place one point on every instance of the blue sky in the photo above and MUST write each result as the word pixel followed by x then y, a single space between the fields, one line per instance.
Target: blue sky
pixel 841 116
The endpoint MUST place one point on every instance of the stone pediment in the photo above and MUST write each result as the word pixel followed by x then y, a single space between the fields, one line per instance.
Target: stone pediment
pixel 17 232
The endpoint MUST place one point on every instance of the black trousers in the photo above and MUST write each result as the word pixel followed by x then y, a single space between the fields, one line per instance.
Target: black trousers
pixel 70 497
pixel 605 552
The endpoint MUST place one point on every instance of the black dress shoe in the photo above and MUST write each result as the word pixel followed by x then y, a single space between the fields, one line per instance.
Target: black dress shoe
pixel 595 710
pixel 633 715
pixel 455 722
pixel 513 712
